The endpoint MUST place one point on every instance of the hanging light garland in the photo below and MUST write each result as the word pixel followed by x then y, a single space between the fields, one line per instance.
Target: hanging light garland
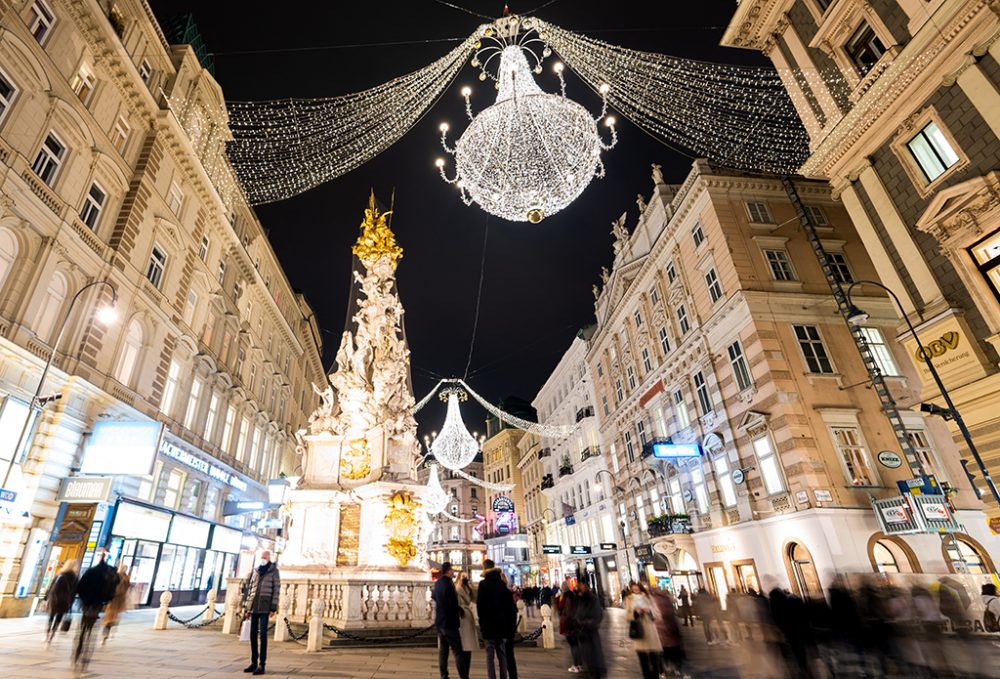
pixel 547 430
pixel 530 154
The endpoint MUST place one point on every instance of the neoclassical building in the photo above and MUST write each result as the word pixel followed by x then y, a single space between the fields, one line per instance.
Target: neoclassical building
pixel 113 168
pixel 716 327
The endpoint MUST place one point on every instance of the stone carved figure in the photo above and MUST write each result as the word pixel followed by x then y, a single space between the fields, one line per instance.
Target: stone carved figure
pixel 605 275
pixel 641 202
pixel 597 292
pixel 620 234
pixel 657 174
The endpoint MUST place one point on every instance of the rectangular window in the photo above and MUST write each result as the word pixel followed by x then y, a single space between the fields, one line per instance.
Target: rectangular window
pixel 671 272
pixel 237 290
pixel 654 296
pixel 195 488
pixel 629 447
pixel 221 275
pixel 203 248
pixel 241 356
pixel 604 404
pixel 816 215
pixel 813 349
pixel 724 479
pixel 879 350
pixel 758 213
pixel 661 422
pixel 145 71
pixel 681 410
pixel 192 405
pixel 241 439
pixel 637 316
pixel 676 496
pixel 157 264
pixel 770 470
pixel 664 341
pixel 50 157
pixel 210 418
pixel 640 429
pixel 614 459
pixel 682 319
pixel 864 48
pixel 227 430
pixel 93 202
pixel 190 306
pixel 618 391
pixel 701 389
pixel 630 371
pixel 7 94
pixel 120 133
pixel 647 363
pixel 857 466
pixel 986 254
pixel 84 83
pixel 700 489
pixel 252 379
pixel 932 152
pixel 175 199
pixel 40 21
pixel 738 362
pixel 170 389
pixel 714 287
pixel 838 266
pixel 600 370
pixel 921 444
pixel 697 235
pixel 781 267
pixel 175 481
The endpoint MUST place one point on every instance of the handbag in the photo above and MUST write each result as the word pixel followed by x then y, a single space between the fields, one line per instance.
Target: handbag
pixel 66 623
pixel 245 630
pixel 635 629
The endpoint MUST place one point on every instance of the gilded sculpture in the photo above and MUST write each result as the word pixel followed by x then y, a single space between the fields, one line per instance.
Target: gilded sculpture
pixel 356 461
pixel 376 239
pixel 401 523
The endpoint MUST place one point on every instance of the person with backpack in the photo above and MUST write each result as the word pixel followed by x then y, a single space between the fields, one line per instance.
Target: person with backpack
pixel 96 588
pixel 991 609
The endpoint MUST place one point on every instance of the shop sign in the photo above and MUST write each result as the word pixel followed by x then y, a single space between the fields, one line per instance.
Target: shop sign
pixel 198 464
pixel 823 496
pixel 122 448
pixel 189 532
pixel 551 549
pixel 508 557
pixel 722 549
pixel 935 511
pixel 226 540
pixel 143 523
pixel 801 497
pixel 889 459
pixel 994 524
pixel 579 550
pixel 669 451
pixel 85 489
pixel 503 504
pixel 608 546
pixel 895 514
pixel 7 495
pixel 644 552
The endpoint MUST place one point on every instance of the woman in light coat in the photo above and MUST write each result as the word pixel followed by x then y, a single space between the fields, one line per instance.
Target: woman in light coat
pixel 640 608
pixel 113 611
pixel 467 624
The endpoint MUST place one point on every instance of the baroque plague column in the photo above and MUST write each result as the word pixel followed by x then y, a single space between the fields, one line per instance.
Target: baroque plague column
pixel 356 533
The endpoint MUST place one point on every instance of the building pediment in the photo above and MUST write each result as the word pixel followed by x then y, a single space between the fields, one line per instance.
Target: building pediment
pixel 753 421
pixel 962 212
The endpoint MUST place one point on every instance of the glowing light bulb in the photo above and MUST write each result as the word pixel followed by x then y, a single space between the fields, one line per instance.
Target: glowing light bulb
pixel 604 88
pixel 439 162
pixel 558 67
pixel 107 315
pixel 610 121
pixel 444 127
pixel 466 91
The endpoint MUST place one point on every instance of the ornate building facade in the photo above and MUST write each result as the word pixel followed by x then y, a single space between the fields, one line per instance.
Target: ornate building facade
pixel 904 124
pixel 716 327
pixel 460 542
pixel 112 152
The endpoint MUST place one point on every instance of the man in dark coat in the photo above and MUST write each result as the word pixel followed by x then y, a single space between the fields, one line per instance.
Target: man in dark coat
pixel 497 620
pixel 60 597
pixel 587 617
pixel 95 589
pixel 447 618
pixel 261 592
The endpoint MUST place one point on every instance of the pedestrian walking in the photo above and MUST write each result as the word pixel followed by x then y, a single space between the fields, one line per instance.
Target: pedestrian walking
pixel 684 597
pixel 118 604
pixel 95 589
pixel 588 616
pixel 565 604
pixel 497 619
pixel 640 614
pixel 60 598
pixel 991 609
pixel 467 624
pixel 669 633
pixel 260 602
pixel 447 620
pixel 706 607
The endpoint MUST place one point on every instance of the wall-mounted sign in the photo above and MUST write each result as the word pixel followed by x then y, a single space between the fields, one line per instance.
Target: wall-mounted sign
pixel 801 497
pixel 935 511
pixel 666 451
pixel 938 347
pixel 895 514
pixel 688 495
pixel 144 523
pixel 608 546
pixel 823 495
pixel 889 459
pixel 503 504
pixel 226 540
pixel 551 549
pixel 739 476
pixel 189 532
pixel 122 448
pixel 579 550
pixel 85 489
pixel 198 464
pixel 643 552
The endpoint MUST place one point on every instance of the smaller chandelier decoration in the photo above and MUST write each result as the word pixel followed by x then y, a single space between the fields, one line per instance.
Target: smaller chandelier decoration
pixel 435 499
pixel 531 153
pixel 455 447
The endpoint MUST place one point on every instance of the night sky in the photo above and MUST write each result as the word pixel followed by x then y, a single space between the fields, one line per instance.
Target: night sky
pixel 537 287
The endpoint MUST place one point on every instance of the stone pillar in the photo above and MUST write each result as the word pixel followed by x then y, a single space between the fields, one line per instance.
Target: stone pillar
pixel 315 641
pixel 522 619
pixel 280 626
pixel 161 615
pixel 210 605
pixel 548 634
pixel 234 616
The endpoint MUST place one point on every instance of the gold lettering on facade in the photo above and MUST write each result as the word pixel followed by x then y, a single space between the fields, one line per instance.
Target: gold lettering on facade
pixel 349 535
pixel 938 347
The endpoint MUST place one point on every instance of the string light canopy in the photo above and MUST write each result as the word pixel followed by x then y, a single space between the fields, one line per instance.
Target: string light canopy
pixel 531 153
pixel 454 448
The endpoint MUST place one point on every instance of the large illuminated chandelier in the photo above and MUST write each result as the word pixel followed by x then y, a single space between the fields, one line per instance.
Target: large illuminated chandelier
pixel 455 447
pixel 531 153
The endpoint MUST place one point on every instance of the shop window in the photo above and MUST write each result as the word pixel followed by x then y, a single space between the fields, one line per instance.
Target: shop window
pixel 932 151
pixel 880 351
pixel 864 48
pixel 969 559
pixel 130 354
pixel 7 94
pixel 172 491
pixel 813 349
pixel 986 255
pixel 885 560
pixel 805 578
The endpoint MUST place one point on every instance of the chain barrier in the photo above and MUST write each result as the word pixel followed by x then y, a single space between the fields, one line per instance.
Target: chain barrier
pixel 195 625
pixel 376 640
pixel 529 637
pixel 297 638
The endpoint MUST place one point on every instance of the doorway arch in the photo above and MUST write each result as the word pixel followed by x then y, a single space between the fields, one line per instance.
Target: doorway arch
pixel 802 573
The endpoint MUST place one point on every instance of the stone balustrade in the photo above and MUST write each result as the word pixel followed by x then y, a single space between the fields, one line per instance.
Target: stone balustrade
pixel 359 604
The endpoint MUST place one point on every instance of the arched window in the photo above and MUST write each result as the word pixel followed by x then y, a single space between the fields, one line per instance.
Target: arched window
pixel 8 255
pixel 802 570
pixel 130 354
pixel 974 562
pixel 885 560
pixel 48 313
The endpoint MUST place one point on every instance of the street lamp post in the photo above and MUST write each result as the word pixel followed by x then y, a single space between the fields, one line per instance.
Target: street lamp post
pixel 619 490
pixel 857 316
pixel 105 315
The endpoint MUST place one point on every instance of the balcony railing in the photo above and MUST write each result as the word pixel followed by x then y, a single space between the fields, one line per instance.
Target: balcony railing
pixel 565 470
pixel 544 452
pixel 669 524
pixel 589 452
pixel 584 412
pixel 547 482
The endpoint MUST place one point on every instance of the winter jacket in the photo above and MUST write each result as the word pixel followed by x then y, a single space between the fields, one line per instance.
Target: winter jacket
pixel 61 593
pixel 97 586
pixel 666 623
pixel 565 604
pixel 587 613
pixel 495 604
pixel 262 589
pixel 638 607
pixel 446 609
pixel 467 627
pixel 119 602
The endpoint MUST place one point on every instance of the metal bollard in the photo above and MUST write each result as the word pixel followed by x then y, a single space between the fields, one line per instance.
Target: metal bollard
pixel 210 600
pixel 280 628
pixel 315 641
pixel 548 634
pixel 161 615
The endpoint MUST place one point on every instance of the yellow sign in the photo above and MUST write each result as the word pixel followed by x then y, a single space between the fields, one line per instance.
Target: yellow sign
pixel 720 549
pixel 939 347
